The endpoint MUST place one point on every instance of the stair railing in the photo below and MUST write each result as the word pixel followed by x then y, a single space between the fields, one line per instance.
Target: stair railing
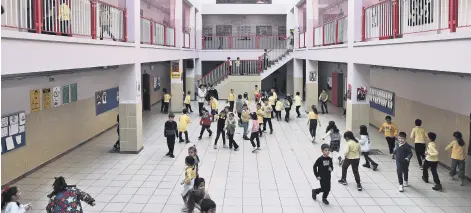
pixel 270 57
pixel 216 75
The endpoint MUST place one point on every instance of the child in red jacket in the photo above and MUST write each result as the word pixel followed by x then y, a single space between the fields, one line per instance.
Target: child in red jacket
pixel 205 123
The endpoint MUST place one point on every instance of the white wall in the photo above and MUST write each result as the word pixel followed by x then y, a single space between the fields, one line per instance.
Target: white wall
pixel 16 93
pixel 244 8
pixel 245 20
pixel 448 92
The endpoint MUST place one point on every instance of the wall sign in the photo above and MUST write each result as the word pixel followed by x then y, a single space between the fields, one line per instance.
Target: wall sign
pixel 56 96
pixel 382 100
pixel 73 92
pixel 35 100
pixel 156 83
pixel 46 98
pixel 312 76
pixel 13 131
pixel 175 70
pixel 361 93
pixel 106 100
pixel 65 94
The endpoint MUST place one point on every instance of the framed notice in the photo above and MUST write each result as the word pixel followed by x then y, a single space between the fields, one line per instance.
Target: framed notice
pixel 13 131
pixel 156 83
pixel 65 94
pixel 106 100
pixel 46 98
pixel 382 100
pixel 56 96
pixel 73 92
pixel 175 70
pixel 35 100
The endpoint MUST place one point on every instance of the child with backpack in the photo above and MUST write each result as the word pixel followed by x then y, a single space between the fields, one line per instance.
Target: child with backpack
pixel 335 138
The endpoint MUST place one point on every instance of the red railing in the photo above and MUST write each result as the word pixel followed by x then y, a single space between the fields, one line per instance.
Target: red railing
pixel 393 19
pixel 331 33
pixel 238 67
pixel 90 18
pixel 156 33
pixel 242 42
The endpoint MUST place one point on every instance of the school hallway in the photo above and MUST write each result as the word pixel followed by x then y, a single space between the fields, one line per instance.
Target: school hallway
pixel 277 179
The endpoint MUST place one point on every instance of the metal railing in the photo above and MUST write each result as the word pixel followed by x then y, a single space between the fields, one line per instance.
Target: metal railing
pixel 242 42
pixel 155 33
pixel 147 33
pixel 91 18
pixel 463 13
pixel 216 75
pixel 271 57
pixel 331 33
pixel 244 67
pixel 238 67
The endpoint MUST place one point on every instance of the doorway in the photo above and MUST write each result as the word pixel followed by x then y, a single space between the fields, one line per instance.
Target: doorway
pixel 146 90
pixel 304 79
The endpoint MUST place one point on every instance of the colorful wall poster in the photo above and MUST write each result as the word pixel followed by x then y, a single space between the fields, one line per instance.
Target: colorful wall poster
pixel 175 70
pixel 156 83
pixel 73 92
pixel 382 100
pixel 46 98
pixel 361 93
pixel 56 96
pixel 13 131
pixel 65 94
pixel 35 100
pixel 106 100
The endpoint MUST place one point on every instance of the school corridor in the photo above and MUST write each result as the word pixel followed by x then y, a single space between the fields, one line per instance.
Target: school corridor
pixel 277 179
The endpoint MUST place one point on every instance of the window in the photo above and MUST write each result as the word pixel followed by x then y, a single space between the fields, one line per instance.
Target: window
pixel 208 33
pixel 243 31
pixel 223 30
pixel 264 30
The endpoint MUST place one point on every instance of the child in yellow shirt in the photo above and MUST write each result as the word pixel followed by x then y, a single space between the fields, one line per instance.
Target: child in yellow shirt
pixel 187 101
pixel 278 108
pixel 298 102
pixel 260 113
pixel 189 181
pixel 390 131
pixel 268 113
pixel 231 100
pixel 214 106
pixel 418 135
pixel 167 98
pixel 457 157
pixel 431 161
pixel 183 126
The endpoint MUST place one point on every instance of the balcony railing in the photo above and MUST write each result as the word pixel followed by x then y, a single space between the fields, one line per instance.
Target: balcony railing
pixel 154 33
pixel 302 40
pixel 331 33
pixel 186 40
pixel 94 19
pixel 243 42
pixel 393 19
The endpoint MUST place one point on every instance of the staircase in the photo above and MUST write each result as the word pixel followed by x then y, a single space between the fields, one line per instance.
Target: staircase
pixel 265 65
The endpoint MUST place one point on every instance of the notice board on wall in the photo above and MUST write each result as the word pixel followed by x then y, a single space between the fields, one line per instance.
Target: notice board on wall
pixel 106 100
pixel 382 100
pixel 13 131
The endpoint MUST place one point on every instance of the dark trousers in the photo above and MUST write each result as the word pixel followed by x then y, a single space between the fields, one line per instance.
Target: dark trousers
pixel 218 134
pixel 254 136
pixel 368 159
pixel 200 108
pixel 313 127
pixel 420 152
pixel 239 114
pixel 265 121
pixel 433 168
pixel 278 115
pixel 273 110
pixel 205 127
pixel 324 104
pixel 188 107
pixel 213 113
pixel 260 129
pixel 170 144
pixel 231 106
pixel 166 107
pixel 354 163
pixel 402 171
pixel 106 29
pixel 460 164
pixel 297 111
pixel 162 105
pixel 180 136
pixel 391 144
pixel 325 187
pixel 287 113
pixel 232 141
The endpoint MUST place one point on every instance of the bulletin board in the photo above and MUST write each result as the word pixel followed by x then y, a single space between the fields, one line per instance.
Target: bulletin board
pixel 13 131
pixel 106 100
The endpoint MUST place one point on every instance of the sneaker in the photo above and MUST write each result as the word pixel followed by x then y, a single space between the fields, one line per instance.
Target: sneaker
pixel 425 179
pixel 187 141
pixel 366 165
pixel 271 131
pixel 172 156
pixel 314 194
pixel 181 141
pixel 246 138
pixel 375 167
pixel 359 187
pixel 199 138
pixel 461 182
pixel 437 187
pixel 421 168
pixel 401 188
pixel 211 133
pixel 325 201
pixel 452 178
pixel 224 146
pixel 254 150
pixel 343 182
pixel 406 184
pixel 340 161
pixel 184 209
pixel 215 146
pixel 236 149
pixel 313 140
pixel 168 154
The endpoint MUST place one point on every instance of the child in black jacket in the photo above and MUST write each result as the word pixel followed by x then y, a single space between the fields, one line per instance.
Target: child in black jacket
pixel 170 132
pixel 403 154
pixel 322 169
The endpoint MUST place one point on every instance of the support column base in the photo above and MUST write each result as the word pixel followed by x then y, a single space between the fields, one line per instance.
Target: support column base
pixel 312 94
pixel 357 115
pixel 130 128
pixel 132 152
pixel 176 103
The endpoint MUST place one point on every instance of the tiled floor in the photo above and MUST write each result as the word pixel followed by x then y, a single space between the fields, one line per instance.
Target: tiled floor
pixel 278 178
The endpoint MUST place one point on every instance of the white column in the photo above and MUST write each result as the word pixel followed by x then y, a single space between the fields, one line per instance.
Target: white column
pixel 311 14
pixel 199 30
pixel 176 90
pixel 190 79
pixel 133 22
pixel 177 12
pixel 192 27
pixel 298 76
pixel 357 110
pixel 312 84
pixel 296 27
pixel 354 21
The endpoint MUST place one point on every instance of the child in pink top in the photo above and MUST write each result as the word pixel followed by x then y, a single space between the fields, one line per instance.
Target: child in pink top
pixel 254 133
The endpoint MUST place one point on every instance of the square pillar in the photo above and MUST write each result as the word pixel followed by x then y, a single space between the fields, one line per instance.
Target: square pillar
pixel 133 21
pixel 358 106
pixel 298 76
pixel 130 110
pixel 290 78
pixel 190 80
pixel 312 83
pixel 176 13
pixel 354 31
pixel 312 13
pixel 192 27
pixel 176 87
pixel 198 30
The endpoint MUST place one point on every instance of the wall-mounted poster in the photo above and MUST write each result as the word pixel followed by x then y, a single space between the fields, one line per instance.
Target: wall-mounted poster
pixel 73 92
pixel 382 100
pixel 35 100
pixel 361 93
pixel 313 76
pixel 13 131
pixel 175 70
pixel 56 96
pixel 106 100
pixel 329 83
pixel 46 98
pixel 156 83
pixel 349 92
pixel 65 94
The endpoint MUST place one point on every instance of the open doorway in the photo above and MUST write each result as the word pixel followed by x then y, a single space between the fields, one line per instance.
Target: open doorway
pixel 146 90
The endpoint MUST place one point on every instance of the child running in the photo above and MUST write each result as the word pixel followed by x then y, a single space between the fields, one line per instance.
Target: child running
pixel 220 129
pixel 170 132
pixel 188 182
pixel 245 121
pixel 335 138
pixel 260 113
pixel 457 157
pixel 389 129
pixel 194 153
pixel 313 121
pixel 10 201
pixel 403 154
pixel 231 124
pixel 255 132
pixel 287 102
pixel 431 161
pixel 298 101
pixel 365 144
pixel 187 102
pixel 205 123
pixel 352 157
pixel 183 126
pixel 323 168
pixel 278 108
pixel 268 113
pixel 418 135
